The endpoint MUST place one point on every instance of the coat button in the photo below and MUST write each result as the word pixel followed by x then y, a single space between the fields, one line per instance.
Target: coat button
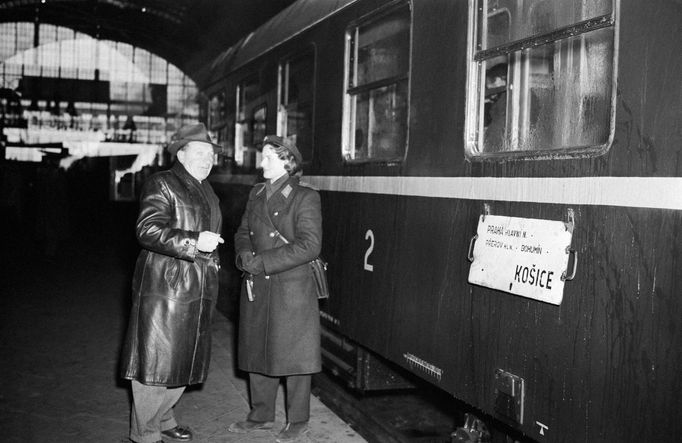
pixel 276 213
pixel 267 277
pixel 272 234
pixel 251 233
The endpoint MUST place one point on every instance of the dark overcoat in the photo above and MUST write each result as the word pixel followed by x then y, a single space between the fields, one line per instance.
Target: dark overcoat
pixel 279 331
pixel 175 286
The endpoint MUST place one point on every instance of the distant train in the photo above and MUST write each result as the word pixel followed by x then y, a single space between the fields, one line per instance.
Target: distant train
pixel 502 197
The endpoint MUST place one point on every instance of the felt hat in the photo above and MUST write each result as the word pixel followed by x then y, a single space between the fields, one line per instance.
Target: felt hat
pixel 192 133
pixel 276 140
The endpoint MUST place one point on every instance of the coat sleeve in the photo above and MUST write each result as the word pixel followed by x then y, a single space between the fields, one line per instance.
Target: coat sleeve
pixel 242 238
pixel 154 224
pixel 307 242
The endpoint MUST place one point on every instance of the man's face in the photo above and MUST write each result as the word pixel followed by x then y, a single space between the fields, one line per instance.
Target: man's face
pixel 197 158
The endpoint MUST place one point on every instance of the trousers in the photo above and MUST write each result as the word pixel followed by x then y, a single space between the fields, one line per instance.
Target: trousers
pixel 152 411
pixel 263 390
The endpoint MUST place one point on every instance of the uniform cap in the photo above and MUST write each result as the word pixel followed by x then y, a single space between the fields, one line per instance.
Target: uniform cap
pixel 276 140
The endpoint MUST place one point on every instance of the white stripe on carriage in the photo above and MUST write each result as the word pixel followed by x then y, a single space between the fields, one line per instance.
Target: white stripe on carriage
pixel 635 192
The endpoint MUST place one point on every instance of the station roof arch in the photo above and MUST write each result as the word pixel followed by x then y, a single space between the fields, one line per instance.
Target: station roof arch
pixel 187 33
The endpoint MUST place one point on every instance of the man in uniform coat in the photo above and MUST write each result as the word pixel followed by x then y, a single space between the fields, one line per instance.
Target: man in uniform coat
pixel 279 323
pixel 175 287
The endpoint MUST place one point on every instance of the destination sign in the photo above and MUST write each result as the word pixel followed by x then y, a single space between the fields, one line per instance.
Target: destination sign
pixel 522 256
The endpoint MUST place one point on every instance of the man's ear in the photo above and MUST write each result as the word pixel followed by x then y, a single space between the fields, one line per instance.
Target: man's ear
pixel 181 156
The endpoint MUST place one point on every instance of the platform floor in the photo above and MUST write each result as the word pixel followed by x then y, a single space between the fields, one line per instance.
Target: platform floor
pixel 62 321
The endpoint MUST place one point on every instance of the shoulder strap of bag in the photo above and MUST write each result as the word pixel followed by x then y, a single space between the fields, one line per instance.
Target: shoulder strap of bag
pixel 318 266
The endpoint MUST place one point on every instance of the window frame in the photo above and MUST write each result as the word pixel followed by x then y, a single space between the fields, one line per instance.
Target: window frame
pixel 241 144
pixel 258 124
pixel 349 106
pixel 216 111
pixel 476 77
pixel 283 94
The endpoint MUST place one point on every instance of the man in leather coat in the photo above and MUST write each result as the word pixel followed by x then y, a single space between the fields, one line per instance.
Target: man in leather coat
pixel 175 287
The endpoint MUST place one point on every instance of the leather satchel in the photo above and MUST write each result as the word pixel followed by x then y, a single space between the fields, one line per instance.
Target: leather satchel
pixel 319 268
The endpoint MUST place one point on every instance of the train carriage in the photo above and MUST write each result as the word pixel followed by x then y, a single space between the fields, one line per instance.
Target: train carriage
pixel 460 147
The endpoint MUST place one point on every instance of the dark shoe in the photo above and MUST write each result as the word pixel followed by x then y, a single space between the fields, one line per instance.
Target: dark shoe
pixel 292 432
pixel 178 433
pixel 244 427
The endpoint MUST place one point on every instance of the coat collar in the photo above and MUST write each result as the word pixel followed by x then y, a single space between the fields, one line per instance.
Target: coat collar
pixel 279 201
pixel 286 188
pixel 192 184
pixel 181 172
pixel 283 187
pixel 271 187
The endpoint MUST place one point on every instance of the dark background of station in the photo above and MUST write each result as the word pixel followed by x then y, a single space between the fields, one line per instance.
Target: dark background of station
pixel 50 214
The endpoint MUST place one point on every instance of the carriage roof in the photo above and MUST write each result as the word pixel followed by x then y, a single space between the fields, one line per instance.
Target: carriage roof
pixel 291 21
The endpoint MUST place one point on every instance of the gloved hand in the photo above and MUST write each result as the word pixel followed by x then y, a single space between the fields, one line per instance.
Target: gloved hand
pixel 245 257
pixel 254 266
pixel 208 241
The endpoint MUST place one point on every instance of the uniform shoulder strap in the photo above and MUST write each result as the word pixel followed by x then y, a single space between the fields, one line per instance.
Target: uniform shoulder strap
pixel 308 185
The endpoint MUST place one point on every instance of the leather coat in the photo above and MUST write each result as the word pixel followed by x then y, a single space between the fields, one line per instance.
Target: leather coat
pixel 175 286
pixel 279 331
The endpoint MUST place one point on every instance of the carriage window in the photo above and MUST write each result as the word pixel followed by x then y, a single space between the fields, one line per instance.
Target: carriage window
pixel 219 123
pixel 295 106
pixel 541 78
pixel 248 118
pixel 258 118
pixel 377 72
pixel 216 111
pixel 226 132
